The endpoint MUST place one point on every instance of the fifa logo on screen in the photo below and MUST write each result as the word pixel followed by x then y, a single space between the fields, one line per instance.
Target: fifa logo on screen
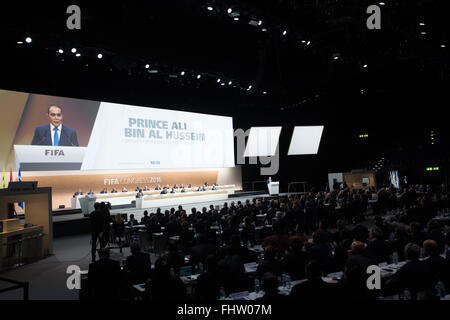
pixel 74 280
pixel 54 153
pixel 110 182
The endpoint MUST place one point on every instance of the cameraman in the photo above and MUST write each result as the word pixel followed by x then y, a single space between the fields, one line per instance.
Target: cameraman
pixel 100 220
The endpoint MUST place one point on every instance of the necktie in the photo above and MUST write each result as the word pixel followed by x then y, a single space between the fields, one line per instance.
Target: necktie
pixel 56 137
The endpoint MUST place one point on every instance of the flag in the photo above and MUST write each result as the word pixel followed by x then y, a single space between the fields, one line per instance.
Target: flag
pixel 10 175
pixel 20 175
pixel 3 179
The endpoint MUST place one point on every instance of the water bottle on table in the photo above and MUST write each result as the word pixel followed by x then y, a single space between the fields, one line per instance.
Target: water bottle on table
pixel 395 258
pixel 222 293
pixel 257 286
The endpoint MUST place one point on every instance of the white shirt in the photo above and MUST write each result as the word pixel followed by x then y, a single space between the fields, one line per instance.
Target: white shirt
pixel 52 133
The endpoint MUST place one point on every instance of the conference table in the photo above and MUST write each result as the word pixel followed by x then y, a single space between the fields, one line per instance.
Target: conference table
pixel 154 198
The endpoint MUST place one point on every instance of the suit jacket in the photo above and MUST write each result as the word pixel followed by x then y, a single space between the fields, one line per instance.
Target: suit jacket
pixel 139 267
pixel 104 279
pixel 42 137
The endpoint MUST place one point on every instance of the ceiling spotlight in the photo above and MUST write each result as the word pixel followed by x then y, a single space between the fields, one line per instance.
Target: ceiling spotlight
pixel 153 71
pixel 222 84
pixel 100 56
pixel 28 40
pixel 230 83
pixel 183 73
pixel 309 42
pixel 147 66
pixel 423 32
pixel 284 32
pixel 249 88
pixel 365 66
pixel 264 30
pixel 19 42
pixel 218 80
pixel 422 24
pixel 443 46
pixel 303 41
pixel 381 3
pixel 199 76
pixel 230 10
pixel 210 8
pixel 264 92
pixel 78 55
pixel 74 50
pixel 259 22
pixel 335 58
pixel 61 51
pixel 236 19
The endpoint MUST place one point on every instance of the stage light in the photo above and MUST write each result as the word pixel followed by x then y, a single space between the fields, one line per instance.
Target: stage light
pixel 199 76
pixel 284 32
pixel 230 83
pixel 182 73
pixel 78 55
pixel 422 24
pixel 309 42
pixel 236 19
pixel 249 88
pixel 218 80
pixel 381 3
pixel 19 42
pixel 222 84
pixel 74 50
pixel 423 32
pixel 61 51
pixel 28 40
pixel 264 30
pixel 443 45
pixel 147 66
pixel 153 71
pixel 365 66
pixel 210 8
pixel 259 22
pixel 99 56
pixel 264 92
pixel 336 58
pixel 230 10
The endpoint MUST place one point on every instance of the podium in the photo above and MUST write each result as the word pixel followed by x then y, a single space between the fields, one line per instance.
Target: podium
pixel 87 203
pixel 274 188
pixel 48 158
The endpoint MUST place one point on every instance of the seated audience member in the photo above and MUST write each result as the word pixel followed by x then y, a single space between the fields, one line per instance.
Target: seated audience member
pixel 359 259
pixel 133 221
pixel 232 270
pixel 173 191
pixel 294 262
pixel 321 252
pixel 113 190
pixel 214 188
pixel 104 277
pixel 210 281
pixel 137 189
pixel 314 288
pixel 164 284
pixel 124 189
pixel 378 248
pixel 352 287
pixel 104 191
pixel 174 259
pixel 269 264
pixel 200 251
pixel 183 190
pixel 440 267
pixel 140 194
pixel 416 235
pixel 173 227
pixel 164 191
pixel 153 226
pixel 435 232
pixel 91 192
pixel 175 187
pixel 189 186
pixel 78 193
pixel 145 219
pixel 138 265
pixel 270 287
pixel 118 227
pixel 158 187
pixel 415 275
pixel 146 188
pixel 186 237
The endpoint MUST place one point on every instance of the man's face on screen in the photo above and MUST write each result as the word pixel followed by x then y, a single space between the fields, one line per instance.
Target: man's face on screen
pixel 55 116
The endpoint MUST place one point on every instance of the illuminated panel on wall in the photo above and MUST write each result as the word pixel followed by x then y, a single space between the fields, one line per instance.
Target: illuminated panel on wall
pixel 262 141
pixel 306 140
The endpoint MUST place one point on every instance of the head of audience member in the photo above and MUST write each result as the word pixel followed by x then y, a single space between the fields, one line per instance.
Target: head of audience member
pixel 296 245
pixel 135 248
pixel 269 284
pixel 269 253
pixel 375 233
pixel 118 218
pixel 211 263
pixel 357 248
pixel 132 217
pixel 431 248
pixel 412 252
pixel 313 271
pixel 103 253
pixel 145 213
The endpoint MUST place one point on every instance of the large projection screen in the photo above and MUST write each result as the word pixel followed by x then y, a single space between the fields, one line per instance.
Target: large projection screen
pixel 262 141
pixel 306 140
pixel 96 135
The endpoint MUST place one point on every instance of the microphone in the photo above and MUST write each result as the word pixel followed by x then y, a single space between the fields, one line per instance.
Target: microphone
pixel 68 139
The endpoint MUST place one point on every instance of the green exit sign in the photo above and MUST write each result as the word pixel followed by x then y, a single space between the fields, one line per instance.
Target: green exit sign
pixel 362 136
pixel 433 169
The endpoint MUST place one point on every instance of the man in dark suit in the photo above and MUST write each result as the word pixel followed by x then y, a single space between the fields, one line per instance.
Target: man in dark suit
pixel 55 134
pixel 104 277
pixel 138 265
